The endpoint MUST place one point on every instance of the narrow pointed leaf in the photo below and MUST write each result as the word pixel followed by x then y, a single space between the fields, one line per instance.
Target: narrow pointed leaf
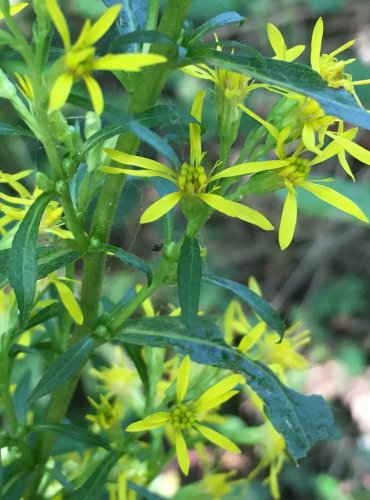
pixel 130 260
pixel 302 420
pixel 189 275
pixel 74 432
pixel 257 303
pixel 216 22
pixel 63 368
pixel 44 315
pixel 23 258
pixel 292 76
pixel 7 129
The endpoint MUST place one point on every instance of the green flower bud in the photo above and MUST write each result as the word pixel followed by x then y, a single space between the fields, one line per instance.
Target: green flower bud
pixel 95 243
pixel 44 182
pixel 61 187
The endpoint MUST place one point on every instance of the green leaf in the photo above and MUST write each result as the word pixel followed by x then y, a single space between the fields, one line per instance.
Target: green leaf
pixel 129 259
pixel 189 275
pixel 257 303
pixel 216 22
pixel 63 368
pixel 6 129
pixel 20 397
pixel 74 432
pixel 94 484
pixel 135 354
pixel 140 36
pixel 302 420
pixel 44 315
pixel 23 258
pixel 118 117
pixel 293 76
pixel 4 261
pixel 50 258
pixel 54 257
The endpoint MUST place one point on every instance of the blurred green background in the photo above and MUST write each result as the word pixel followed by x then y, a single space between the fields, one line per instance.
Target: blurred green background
pixel 322 278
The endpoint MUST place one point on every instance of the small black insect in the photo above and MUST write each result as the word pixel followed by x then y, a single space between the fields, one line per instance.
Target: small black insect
pixel 157 247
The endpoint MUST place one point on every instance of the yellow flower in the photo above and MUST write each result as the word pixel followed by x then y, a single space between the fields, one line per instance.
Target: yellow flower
pixel 80 61
pixel 50 222
pixel 295 175
pixel 15 9
pixel 119 379
pixel 186 415
pixel 192 181
pixel 261 343
pixel 107 415
pixel 329 67
pixel 282 53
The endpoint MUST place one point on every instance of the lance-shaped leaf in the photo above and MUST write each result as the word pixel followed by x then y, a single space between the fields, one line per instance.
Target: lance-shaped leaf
pixel 74 432
pixel 94 484
pixel 301 420
pixel 216 22
pixel 120 43
pixel 130 260
pixel 189 275
pixel 293 76
pixel 257 303
pixel 63 368
pixel 50 258
pixel 118 117
pixel 23 258
pixel 7 129
pixel 41 317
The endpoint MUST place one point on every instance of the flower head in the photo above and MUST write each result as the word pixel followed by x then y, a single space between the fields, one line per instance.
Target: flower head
pixel 186 415
pixel 80 61
pixel 295 174
pixel 329 67
pixel 107 415
pixel 193 181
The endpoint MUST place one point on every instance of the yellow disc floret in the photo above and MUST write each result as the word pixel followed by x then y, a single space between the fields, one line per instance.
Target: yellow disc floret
pixel 183 416
pixel 192 179
pixel 297 172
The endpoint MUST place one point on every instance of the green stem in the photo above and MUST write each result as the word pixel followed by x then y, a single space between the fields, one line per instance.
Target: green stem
pixel 147 91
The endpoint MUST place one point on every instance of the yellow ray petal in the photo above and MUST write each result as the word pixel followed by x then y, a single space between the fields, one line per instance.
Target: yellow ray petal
pixel 253 335
pixel 151 422
pixel 127 62
pixel 343 161
pixel 183 379
pixel 273 130
pixel 336 199
pixel 352 148
pixel 277 41
pixel 233 209
pixel 60 91
pixel 136 173
pixel 294 52
pixel 182 453
pixel 103 24
pixel 160 207
pixel 288 219
pixel 217 438
pixel 69 301
pixel 59 21
pixel 217 401
pixel 194 129
pixel 139 161
pixel 223 386
pixel 342 48
pixel 316 42
pixel 198 72
pixel 308 138
pixel 249 168
pixel 96 95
